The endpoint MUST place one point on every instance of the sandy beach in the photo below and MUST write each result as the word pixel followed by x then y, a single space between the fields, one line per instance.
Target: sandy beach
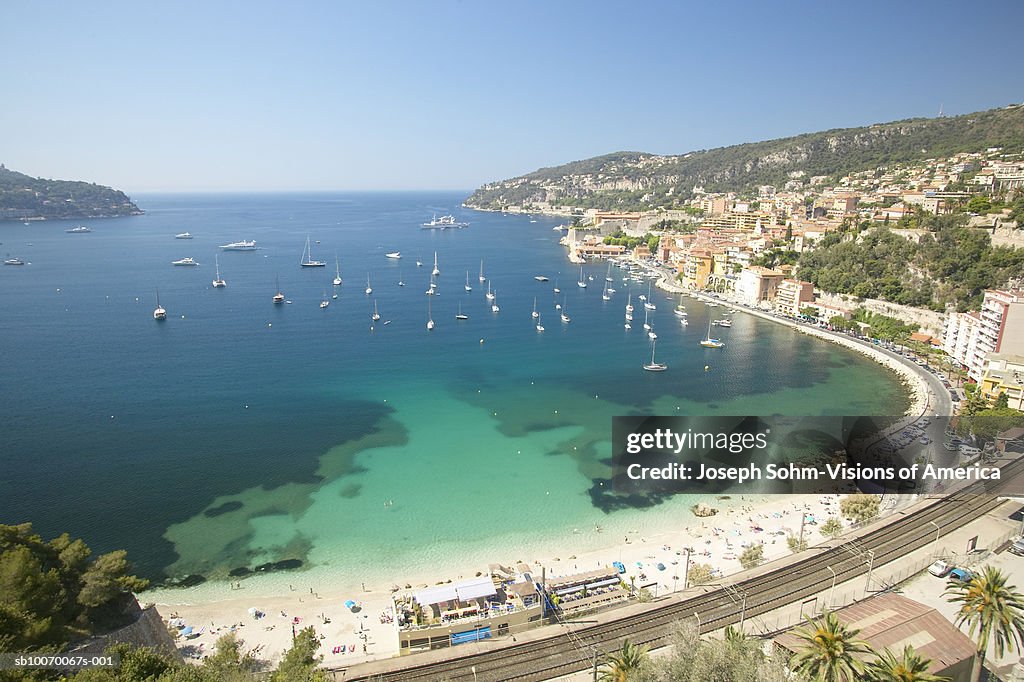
pixel 365 632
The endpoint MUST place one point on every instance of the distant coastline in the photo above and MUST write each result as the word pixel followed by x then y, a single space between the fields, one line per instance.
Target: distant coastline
pixel 29 199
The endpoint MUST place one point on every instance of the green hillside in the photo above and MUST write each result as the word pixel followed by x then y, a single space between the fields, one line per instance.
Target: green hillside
pixel 635 180
pixel 23 197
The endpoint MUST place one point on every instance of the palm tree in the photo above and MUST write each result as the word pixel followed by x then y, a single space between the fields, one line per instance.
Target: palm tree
pixel 829 654
pixel 909 667
pixel 988 606
pixel 619 666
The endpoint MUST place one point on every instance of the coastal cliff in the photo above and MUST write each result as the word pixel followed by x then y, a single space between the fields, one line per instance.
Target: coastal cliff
pixel 23 197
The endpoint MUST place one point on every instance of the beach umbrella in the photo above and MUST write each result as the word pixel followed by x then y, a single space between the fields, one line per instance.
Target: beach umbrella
pixel 349 604
pixel 186 631
pixel 252 610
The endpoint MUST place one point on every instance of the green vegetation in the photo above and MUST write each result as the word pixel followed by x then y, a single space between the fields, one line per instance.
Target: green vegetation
pixel 882 326
pixel 752 556
pixel 736 658
pixel 620 238
pixel 907 667
pixel 53 593
pixel 986 423
pixel 830 651
pixel 622 665
pixel 990 609
pixel 953 265
pixel 699 574
pixel 775 257
pixel 230 663
pixel 23 197
pixel 667 181
pixel 860 508
pixel 832 528
pixel 796 544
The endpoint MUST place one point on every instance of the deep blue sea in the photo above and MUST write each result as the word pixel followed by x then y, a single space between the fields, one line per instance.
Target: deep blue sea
pixel 237 432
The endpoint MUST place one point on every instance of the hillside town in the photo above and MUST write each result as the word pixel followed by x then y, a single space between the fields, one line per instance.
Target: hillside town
pixel 747 249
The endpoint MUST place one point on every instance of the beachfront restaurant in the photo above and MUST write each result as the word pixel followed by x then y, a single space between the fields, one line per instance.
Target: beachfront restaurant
pixel 586 591
pixel 465 611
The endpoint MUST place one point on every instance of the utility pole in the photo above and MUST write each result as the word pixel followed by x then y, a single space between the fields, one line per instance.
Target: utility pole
pixel 832 589
pixel 871 563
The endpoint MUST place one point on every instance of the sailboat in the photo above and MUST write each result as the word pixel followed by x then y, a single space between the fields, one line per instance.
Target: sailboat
pixel 482 278
pixel 581 283
pixel 217 281
pixel 325 302
pixel 608 277
pixel 647 303
pixel 629 304
pixel 490 295
pixel 494 302
pixel 435 272
pixel 369 289
pixel 565 317
pixel 433 285
pixel 337 271
pixel 604 294
pixel 278 297
pixel 430 319
pixel 401 280
pixel 376 315
pixel 647 325
pixel 468 288
pixel 461 315
pixel 653 366
pixel 557 290
pixel 307 257
pixel 535 314
pixel 680 310
pixel 709 342
pixel 540 327
pixel 159 313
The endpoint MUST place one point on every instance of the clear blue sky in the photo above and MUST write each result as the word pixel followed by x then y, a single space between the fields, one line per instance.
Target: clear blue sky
pixel 451 94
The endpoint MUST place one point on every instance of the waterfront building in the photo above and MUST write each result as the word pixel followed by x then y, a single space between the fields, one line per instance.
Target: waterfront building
pixel 758 285
pixel 1004 374
pixel 792 295
pixel 997 328
pixel 697 268
pixel 466 611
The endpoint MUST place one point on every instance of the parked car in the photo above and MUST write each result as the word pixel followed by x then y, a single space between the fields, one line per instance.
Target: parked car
pixel 940 569
pixel 961 575
pixel 1017 547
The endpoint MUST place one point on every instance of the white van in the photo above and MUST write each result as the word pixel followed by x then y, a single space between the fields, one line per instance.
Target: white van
pixel 969 450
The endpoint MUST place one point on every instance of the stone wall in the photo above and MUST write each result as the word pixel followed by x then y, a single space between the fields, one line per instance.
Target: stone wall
pixel 148 630
pixel 929 321
pixel 1007 234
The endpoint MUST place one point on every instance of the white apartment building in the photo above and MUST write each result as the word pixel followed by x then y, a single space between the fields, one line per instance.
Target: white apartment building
pixel 997 328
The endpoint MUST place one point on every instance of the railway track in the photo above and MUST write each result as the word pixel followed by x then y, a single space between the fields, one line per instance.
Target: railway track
pixel 574 649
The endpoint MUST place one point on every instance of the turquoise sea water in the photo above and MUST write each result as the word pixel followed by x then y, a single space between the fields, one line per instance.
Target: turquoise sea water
pixel 238 432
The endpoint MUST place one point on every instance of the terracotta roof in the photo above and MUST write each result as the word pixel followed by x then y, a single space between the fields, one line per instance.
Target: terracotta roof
pixel 890 621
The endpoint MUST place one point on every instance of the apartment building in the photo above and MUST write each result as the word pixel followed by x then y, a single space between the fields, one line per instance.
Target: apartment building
pixel 1004 374
pixel 792 295
pixel 997 328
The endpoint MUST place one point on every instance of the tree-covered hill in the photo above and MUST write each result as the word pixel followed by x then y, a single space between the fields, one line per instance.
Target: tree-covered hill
pixel 23 197
pixel 635 180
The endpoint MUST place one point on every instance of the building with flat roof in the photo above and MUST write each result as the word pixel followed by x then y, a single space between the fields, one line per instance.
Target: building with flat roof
pixel 1004 374
pixel 758 284
pixel 891 621
pixel 792 295
pixel 997 328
